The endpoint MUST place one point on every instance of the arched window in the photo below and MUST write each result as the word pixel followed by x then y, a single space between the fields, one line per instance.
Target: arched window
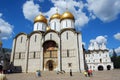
pixel 35 38
pixel 50 36
pixel 67 35
pixel 21 39
pixel 37 26
pixel 55 25
pixel 66 24
pixel 100 60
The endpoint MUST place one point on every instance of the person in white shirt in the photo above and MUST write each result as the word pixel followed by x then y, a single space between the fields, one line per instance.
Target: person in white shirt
pixel 2 76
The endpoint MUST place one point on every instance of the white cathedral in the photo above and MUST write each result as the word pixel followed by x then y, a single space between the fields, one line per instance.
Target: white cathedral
pixel 56 47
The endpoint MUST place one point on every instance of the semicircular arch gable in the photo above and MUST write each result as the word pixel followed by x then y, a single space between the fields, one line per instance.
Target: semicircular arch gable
pixel 20 34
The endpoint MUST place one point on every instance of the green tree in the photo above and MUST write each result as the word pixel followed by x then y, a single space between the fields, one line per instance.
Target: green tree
pixel 115 59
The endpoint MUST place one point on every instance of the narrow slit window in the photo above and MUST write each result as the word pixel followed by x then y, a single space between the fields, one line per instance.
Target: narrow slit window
pixel 67 53
pixel 19 55
pixel 66 24
pixel 50 36
pixel 55 25
pixel 37 26
pixel 67 35
pixel 35 38
pixel 69 64
pixel 21 39
pixel 34 54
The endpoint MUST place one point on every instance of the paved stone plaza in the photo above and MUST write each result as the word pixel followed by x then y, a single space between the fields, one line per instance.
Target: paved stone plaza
pixel 98 75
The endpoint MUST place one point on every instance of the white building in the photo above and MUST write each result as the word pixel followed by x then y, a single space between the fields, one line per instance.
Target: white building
pixel 49 48
pixel 97 57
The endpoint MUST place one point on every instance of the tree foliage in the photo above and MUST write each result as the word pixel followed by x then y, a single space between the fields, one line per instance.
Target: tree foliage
pixel 116 61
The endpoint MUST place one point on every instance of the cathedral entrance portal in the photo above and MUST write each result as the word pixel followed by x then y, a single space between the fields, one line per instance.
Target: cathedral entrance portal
pixel 50 55
pixel 50 65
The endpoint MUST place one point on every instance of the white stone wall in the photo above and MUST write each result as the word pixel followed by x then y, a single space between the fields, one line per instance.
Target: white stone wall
pixel 67 23
pixel 20 49
pixel 40 26
pixel 80 52
pixel 52 36
pixel 69 44
pixel 98 58
pixel 55 24
pixel 34 65
pixel 35 52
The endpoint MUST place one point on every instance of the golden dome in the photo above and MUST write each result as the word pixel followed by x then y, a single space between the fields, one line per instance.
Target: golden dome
pixel 48 28
pixel 55 16
pixel 40 18
pixel 67 15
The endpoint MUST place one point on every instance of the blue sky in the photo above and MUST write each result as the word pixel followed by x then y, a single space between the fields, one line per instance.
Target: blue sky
pixel 98 20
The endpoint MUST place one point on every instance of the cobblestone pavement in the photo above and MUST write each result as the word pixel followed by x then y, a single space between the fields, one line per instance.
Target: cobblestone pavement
pixel 97 75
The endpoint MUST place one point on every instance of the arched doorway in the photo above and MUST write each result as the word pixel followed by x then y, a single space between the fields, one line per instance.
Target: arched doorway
pixel 50 65
pixel 50 55
pixel 100 68
pixel 108 67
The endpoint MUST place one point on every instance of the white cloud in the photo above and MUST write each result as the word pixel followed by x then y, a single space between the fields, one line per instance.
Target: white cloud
pixel 41 0
pixel 99 39
pixel 105 10
pixel 80 16
pixel 6 29
pixel 30 10
pixel 117 50
pixel 0 14
pixel 117 36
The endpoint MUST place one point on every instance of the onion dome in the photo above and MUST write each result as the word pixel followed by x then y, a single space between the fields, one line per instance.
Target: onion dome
pixel 40 18
pixel 55 16
pixel 67 15
pixel 48 28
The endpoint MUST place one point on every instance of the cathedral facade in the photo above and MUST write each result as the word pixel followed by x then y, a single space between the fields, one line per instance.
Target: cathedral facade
pixel 55 47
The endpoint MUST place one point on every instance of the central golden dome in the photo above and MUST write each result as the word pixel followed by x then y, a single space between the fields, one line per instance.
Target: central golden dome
pixel 40 18
pixel 55 16
pixel 67 15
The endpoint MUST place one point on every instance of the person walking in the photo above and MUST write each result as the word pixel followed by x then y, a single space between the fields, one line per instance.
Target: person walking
pixel 70 72
pixel 2 76
pixel 85 73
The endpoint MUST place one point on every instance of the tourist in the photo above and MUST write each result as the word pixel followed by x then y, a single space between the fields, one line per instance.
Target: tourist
pixel 38 73
pixel 88 71
pixel 85 73
pixel 2 76
pixel 91 74
pixel 70 72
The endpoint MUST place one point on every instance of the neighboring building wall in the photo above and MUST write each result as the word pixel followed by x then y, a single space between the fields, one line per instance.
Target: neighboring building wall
pixel 98 58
